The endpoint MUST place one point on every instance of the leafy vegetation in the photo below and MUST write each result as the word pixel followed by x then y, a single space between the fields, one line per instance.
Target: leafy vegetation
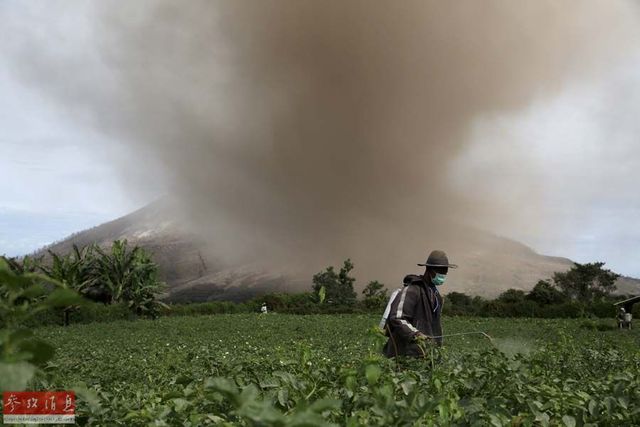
pixel 338 287
pixel 286 370
pixel 127 277
pixel 375 295
pixel 586 282
pixel 131 276
pixel 119 275
pixel 23 294
pixel 583 291
pixel 545 293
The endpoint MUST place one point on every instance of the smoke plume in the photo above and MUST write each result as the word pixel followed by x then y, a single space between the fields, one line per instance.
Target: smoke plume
pixel 299 133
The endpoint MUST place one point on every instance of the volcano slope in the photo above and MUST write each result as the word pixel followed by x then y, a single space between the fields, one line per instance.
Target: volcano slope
pixel 489 264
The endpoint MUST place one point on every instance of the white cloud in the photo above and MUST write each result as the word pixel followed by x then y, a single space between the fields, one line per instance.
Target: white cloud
pixel 55 177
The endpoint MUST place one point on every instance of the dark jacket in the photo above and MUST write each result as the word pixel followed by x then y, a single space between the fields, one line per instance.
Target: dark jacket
pixel 417 308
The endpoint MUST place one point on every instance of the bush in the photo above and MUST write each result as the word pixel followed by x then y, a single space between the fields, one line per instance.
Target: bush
pixel 203 308
pixel 375 295
pixel 635 312
pixel 602 309
pixel 338 287
pixel 545 293
pixel 87 313
pixel 563 311
pixel 512 296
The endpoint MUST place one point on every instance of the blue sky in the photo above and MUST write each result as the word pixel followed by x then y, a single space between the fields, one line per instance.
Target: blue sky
pixel 55 178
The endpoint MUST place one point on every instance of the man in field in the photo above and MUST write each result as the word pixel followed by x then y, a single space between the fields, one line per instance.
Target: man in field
pixel 416 310
pixel 621 314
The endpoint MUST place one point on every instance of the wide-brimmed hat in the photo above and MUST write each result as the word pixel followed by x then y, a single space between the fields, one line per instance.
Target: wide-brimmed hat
pixel 438 259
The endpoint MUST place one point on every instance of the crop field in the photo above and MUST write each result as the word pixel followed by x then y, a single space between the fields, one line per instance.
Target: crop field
pixel 247 369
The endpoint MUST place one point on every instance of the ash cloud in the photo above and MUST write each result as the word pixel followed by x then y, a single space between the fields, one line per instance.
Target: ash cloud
pixel 299 133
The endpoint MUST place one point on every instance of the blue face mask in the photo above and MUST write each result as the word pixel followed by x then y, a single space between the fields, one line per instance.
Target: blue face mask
pixel 439 279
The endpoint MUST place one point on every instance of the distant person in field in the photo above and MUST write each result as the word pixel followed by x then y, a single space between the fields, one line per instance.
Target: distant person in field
pixel 621 313
pixel 624 319
pixel 415 312
pixel 263 309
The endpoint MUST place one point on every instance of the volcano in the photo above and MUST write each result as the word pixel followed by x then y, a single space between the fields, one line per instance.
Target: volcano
pixel 489 264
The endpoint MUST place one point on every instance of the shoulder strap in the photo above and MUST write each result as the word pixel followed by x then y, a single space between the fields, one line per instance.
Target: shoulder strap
pixel 387 310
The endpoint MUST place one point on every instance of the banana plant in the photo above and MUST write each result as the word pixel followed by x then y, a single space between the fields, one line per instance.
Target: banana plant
pixel 115 269
pixel 75 270
pixel 130 275
pixel 27 264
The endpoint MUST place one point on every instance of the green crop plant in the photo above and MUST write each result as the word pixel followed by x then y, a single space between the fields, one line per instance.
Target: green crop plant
pixel 320 370
pixel 22 295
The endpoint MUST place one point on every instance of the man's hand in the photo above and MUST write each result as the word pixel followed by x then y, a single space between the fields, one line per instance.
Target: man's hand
pixel 422 338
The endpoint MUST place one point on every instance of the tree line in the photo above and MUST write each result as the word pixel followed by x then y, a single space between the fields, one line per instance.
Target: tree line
pixel 122 282
pixel 582 291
